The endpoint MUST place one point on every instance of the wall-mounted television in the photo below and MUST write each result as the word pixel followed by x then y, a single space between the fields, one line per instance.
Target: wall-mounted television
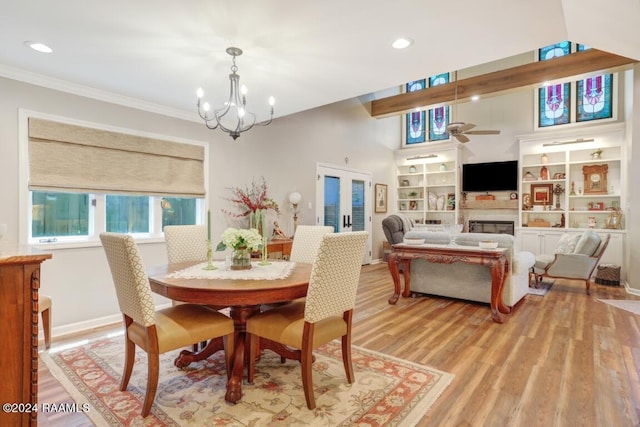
pixel 493 176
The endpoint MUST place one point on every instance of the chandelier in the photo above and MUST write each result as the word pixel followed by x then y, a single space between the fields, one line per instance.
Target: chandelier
pixel 233 118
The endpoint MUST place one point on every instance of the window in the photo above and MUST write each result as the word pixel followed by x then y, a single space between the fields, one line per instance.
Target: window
pixel 83 180
pixel 592 98
pixel 438 117
pixel 416 125
pixel 415 121
pixel 59 214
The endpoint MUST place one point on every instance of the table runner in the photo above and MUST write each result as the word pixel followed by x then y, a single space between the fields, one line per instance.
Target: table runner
pixel 273 271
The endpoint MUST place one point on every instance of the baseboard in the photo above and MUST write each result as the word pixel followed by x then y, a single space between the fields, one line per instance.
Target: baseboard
pixel 74 328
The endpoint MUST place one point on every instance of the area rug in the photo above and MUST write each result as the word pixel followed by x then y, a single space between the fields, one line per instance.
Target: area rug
pixel 387 391
pixel 630 305
pixel 542 289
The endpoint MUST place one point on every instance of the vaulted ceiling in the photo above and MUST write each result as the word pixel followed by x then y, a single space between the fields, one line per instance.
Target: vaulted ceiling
pixel 155 54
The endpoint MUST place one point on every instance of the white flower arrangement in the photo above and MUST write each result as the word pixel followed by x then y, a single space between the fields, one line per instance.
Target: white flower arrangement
pixel 240 237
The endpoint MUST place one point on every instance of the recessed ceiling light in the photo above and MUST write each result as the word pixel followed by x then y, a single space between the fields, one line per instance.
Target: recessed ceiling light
pixel 475 97
pixel 402 43
pixel 40 47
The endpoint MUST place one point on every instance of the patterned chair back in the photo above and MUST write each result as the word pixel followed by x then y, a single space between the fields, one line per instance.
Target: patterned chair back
pixel 306 242
pixel 186 242
pixel 335 275
pixel 129 277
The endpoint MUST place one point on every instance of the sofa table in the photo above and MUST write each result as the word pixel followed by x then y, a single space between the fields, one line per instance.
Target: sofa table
pixel 495 259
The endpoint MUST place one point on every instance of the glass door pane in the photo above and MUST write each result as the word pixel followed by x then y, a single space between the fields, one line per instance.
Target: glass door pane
pixel 357 205
pixel 332 202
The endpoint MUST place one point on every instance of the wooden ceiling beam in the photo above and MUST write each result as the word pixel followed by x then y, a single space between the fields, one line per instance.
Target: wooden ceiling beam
pixel 534 74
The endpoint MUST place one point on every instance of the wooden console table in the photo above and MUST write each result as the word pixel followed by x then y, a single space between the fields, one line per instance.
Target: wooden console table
pixel 19 283
pixel 495 259
pixel 277 249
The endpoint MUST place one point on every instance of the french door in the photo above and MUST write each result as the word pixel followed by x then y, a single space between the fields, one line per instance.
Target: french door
pixel 343 200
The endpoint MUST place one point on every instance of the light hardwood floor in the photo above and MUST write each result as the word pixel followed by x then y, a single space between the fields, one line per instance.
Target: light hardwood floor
pixel 564 359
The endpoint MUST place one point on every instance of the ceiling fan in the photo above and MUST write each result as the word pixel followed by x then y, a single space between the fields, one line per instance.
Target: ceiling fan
pixel 460 130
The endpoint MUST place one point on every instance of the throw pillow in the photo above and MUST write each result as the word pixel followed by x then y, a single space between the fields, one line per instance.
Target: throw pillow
pixel 588 243
pixel 567 243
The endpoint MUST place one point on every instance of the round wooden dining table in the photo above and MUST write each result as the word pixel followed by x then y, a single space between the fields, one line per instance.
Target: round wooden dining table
pixel 243 297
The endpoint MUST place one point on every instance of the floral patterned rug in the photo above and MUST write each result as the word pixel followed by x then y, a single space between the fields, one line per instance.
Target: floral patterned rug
pixel 387 391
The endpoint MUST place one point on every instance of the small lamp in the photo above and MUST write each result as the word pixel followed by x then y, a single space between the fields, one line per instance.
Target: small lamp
pixel 295 198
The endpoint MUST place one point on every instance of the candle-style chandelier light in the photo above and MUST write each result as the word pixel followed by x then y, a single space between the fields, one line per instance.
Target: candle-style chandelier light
pixel 233 118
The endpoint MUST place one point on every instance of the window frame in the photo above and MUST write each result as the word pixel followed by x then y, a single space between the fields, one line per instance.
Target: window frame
pixel 97 209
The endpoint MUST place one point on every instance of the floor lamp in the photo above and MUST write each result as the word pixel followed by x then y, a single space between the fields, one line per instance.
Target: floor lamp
pixel 295 198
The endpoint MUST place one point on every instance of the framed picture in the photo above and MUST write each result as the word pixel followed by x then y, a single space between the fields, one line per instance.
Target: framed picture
pixel 451 201
pixel 541 194
pixel 381 198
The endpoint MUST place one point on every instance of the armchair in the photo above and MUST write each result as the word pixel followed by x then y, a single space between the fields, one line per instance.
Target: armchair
pixel 572 263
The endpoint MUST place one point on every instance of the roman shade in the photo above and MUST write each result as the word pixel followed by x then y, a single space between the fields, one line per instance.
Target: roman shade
pixel 71 158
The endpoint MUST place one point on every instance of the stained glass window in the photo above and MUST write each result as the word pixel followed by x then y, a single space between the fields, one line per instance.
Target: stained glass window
pixel 438 117
pixel 554 100
pixel 594 96
pixel 415 121
pixel 554 51
pixel 553 105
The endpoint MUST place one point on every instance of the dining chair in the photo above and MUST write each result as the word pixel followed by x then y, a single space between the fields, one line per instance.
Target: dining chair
pixel 160 331
pixel 186 243
pixel 44 308
pixel 306 242
pixel 324 315
pixel 304 248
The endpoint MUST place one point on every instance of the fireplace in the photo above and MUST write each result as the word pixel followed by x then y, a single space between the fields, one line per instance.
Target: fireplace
pixel 495 227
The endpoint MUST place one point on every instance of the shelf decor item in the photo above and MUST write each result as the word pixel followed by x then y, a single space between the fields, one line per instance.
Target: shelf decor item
pixel 544 159
pixel 596 155
pixel 595 179
pixel 541 194
pixel 544 173
pixel 412 169
pixel 557 191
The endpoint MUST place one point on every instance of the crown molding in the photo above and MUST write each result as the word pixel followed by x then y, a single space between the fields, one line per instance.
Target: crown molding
pixel 93 93
pixel 576 65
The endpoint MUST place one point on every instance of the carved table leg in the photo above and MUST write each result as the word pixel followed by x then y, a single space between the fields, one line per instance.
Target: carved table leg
pixel 186 356
pixel 239 316
pixel 406 273
pixel 395 274
pixel 498 276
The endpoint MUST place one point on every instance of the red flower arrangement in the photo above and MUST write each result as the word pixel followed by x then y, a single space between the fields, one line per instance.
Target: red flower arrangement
pixel 250 200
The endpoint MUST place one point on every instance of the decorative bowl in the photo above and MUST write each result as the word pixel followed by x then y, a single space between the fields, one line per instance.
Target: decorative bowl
pixel 488 244
pixel 411 241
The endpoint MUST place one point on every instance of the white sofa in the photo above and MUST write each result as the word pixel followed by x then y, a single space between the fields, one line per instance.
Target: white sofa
pixel 466 281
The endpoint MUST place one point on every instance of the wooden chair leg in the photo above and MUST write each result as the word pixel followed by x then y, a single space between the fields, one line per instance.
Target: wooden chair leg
pixel 307 377
pixel 129 358
pixel 153 372
pixel 346 348
pixel 46 327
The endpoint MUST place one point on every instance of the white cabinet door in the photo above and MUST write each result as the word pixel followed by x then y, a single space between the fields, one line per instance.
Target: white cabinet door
pixel 538 241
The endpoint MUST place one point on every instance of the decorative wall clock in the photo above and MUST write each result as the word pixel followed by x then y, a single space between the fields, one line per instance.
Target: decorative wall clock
pixel 595 179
